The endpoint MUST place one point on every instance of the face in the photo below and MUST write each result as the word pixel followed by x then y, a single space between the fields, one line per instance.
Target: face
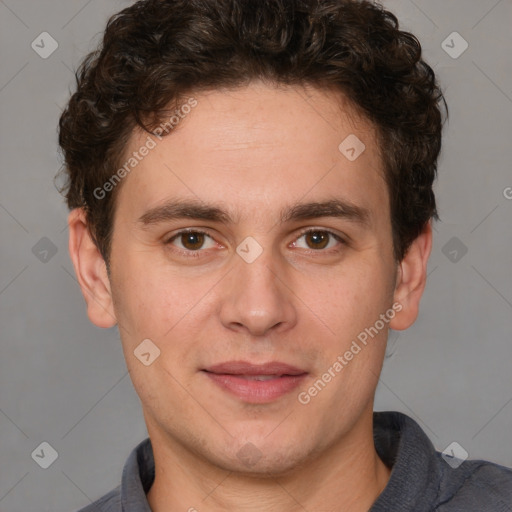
pixel 247 235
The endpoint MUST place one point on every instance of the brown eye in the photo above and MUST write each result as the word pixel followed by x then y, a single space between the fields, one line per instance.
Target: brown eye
pixel 192 240
pixel 317 239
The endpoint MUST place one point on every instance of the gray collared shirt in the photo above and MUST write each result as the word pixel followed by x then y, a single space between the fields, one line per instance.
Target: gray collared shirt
pixel 421 480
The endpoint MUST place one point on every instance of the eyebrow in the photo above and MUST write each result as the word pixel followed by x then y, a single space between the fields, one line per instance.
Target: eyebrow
pixel 198 210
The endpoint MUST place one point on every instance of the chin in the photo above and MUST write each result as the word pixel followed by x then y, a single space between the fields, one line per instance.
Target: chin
pixel 262 457
pixel 263 465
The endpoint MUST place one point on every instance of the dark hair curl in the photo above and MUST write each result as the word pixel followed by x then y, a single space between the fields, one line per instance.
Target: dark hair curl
pixel 155 52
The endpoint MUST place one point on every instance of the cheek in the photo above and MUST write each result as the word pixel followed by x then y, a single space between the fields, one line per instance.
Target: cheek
pixel 156 303
pixel 149 299
pixel 354 296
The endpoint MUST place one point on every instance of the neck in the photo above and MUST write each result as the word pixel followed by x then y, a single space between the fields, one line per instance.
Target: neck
pixel 348 477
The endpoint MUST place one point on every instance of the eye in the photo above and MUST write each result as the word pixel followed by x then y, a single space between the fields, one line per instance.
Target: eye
pixel 318 239
pixel 191 240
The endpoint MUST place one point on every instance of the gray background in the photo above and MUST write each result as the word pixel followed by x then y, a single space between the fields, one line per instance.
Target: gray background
pixel 64 381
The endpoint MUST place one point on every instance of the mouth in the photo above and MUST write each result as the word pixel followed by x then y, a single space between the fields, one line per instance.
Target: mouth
pixel 255 383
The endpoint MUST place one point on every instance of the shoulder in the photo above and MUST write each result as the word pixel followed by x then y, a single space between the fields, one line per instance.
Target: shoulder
pixel 110 502
pixel 425 480
pixel 474 486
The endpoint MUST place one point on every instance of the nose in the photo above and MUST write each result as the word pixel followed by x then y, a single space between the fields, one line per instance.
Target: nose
pixel 258 297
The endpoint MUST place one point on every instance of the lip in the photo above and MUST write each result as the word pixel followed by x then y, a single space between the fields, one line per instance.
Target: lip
pixel 246 368
pixel 237 378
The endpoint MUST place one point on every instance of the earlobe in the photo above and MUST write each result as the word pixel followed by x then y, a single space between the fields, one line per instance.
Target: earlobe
pixel 91 272
pixel 411 280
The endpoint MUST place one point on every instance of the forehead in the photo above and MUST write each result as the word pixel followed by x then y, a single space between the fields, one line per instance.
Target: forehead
pixel 257 148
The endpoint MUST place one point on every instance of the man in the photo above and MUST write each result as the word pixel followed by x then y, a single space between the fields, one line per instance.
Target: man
pixel 251 196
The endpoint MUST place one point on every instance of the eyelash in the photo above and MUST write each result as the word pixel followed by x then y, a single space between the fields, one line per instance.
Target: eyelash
pixel 197 253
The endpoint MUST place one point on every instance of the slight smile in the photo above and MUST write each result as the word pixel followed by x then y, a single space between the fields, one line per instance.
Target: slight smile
pixel 256 383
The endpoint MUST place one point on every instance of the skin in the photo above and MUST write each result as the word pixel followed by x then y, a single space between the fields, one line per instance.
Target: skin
pixel 254 151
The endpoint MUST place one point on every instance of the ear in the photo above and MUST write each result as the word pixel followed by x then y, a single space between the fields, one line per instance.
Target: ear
pixel 91 271
pixel 411 280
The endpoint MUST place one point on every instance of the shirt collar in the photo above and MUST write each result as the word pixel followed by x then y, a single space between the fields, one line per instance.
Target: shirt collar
pixel 138 476
pixel 415 475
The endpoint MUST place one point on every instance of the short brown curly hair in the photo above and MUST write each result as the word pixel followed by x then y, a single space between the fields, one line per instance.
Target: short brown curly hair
pixel 156 52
